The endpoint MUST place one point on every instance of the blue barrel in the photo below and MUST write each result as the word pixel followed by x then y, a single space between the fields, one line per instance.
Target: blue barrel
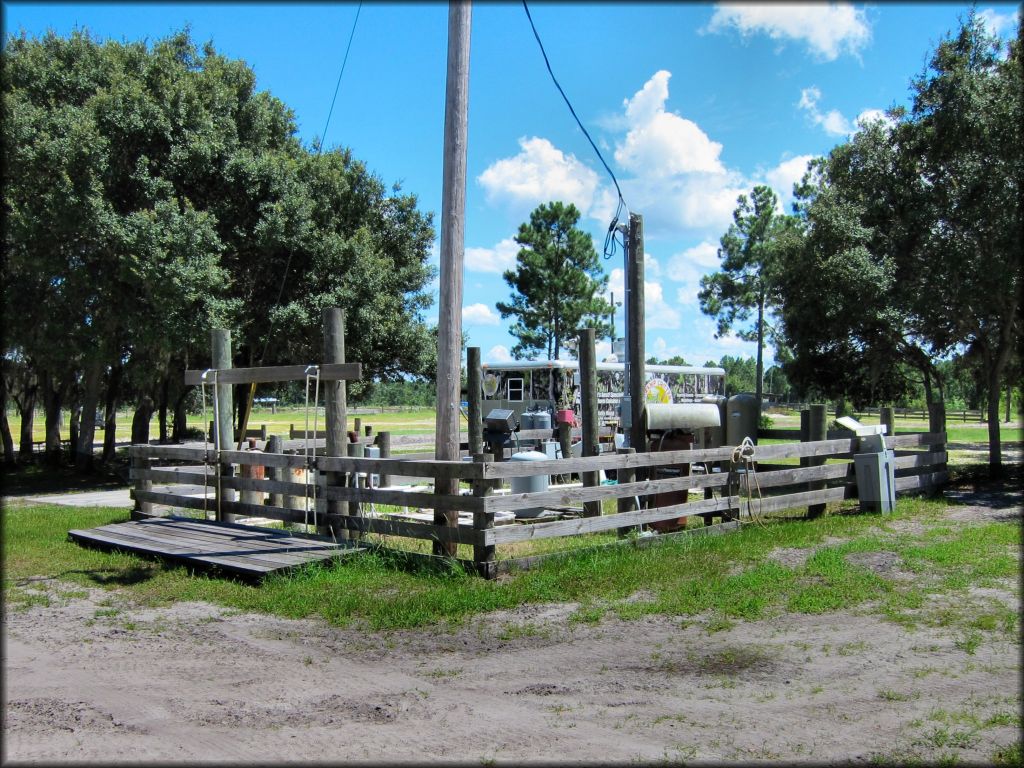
pixel 531 484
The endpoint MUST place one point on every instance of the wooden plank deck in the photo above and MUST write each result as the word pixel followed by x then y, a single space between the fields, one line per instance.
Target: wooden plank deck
pixel 238 549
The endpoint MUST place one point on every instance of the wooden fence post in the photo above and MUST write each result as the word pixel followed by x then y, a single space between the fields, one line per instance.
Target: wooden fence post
pixel 887 416
pixel 474 395
pixel 588 398
pixel 937 423
pixel 384 442
pixel 220 342
pixel 335 416
pixel 357 451
pixel 279 474
pixel 625 475
pixel 636 332
pixel 817 429
pixel 483 554
pixel 142 508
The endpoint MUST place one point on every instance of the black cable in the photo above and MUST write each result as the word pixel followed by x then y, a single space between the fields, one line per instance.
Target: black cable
pixel 319 149
pixel 622 202
pixel 344 61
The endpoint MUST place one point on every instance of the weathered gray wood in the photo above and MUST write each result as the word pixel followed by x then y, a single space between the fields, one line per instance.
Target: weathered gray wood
pixel 817 430
pixel 887 416
pixel 809 498
pixel 474 395
pixel 588 410
pixel 335 416
pixel 387 527
pixel 452 236
pixel 637 329
pixel 565 497
pixel 403 498
pixel 232 548
pixel 234 507
pixel 779 434
pixel 140 464
pixel 181 452
pixel 237 483
pixel 934 439
pixel 220 341
pixel 925 481
pixel 399 466
pixel 483 520
pixel 507 534
pixel 278 474
pixel 921 459
pixel 384 443
pixel 604 461
pixel 625 478
pixel 276 373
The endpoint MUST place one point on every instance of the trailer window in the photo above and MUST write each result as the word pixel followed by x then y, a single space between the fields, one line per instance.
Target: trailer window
pixel 515 390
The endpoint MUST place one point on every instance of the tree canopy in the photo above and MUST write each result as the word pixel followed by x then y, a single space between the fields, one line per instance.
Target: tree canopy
pixel 748 281
pixel 912 236
pixel 557 284
pixel 152 193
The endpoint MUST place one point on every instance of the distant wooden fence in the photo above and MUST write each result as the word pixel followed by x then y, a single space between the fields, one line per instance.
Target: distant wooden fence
pixel 918 414
pixel 642 479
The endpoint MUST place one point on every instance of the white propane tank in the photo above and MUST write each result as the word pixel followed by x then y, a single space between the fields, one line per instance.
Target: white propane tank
pixel 530 484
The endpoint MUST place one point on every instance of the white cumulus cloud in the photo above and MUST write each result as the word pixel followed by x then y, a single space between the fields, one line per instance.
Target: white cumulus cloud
pixel 538 174
pixel 479 314
pixel 998 23
pixel 832 121
pixel 787 173
pixel 658 312
pixel 828 29
pixel 660 142
pixel 493 260
pixel 498 354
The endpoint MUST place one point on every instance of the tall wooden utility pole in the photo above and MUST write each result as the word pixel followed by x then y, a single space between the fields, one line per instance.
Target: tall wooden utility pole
pixel 453 232
pixel 636 328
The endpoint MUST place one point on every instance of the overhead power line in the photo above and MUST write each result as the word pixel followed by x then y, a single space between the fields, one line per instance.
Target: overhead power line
pixel 344 61
pixel 612 229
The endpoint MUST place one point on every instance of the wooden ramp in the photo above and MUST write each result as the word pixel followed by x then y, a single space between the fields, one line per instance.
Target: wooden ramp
pixel 238 549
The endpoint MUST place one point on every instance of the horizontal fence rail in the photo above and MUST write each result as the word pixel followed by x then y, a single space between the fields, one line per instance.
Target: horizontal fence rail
pixel 650 489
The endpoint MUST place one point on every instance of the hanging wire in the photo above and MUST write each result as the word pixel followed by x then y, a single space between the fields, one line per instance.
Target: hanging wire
pixel 610 239
pixel 344 61
pixel 288 262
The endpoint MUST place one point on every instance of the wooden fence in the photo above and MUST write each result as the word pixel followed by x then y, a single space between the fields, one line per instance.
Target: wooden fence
pixel 646 491
pixel 917 414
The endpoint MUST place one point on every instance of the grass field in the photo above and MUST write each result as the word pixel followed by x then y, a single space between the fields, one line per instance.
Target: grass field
pixel 421 421
pixel 727 575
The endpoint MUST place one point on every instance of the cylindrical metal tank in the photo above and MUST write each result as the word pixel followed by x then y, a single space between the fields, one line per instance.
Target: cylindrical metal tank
pixel 527 420
pixel 742 417
pixel 530 484
pixel 541 420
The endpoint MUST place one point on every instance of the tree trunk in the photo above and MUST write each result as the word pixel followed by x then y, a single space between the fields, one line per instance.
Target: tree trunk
pixel 1009 397
pixel 995 447
pixel 164 391
pixel 180 416
pixel 26 409
pixel 93 379
pixel 759 386
pixel 140 421
pixel 110 414
pixel 74 423
pixel 5 427
pixel 53 398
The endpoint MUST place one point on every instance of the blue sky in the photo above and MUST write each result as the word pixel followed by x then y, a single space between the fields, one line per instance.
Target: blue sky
pixel 691 105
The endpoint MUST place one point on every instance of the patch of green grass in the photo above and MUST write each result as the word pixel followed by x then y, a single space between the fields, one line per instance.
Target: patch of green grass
pixel 725 578
pixel 888 694
pixel 1010 755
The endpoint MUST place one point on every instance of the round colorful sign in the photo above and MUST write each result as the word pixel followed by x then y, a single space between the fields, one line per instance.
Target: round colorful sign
pixel 657 391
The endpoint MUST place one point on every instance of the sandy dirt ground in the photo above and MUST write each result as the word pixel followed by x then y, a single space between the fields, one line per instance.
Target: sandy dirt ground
pixel 198 683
